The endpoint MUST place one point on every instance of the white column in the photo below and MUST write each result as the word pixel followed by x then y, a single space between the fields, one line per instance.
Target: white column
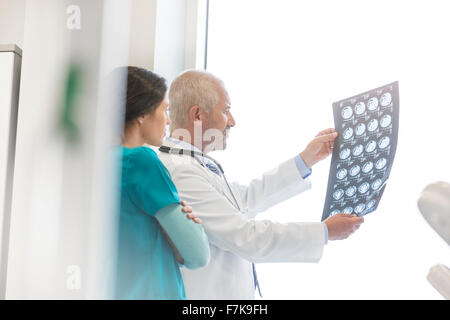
pixel 10 63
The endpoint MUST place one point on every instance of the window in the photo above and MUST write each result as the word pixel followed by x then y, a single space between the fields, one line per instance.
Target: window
pixel 284 63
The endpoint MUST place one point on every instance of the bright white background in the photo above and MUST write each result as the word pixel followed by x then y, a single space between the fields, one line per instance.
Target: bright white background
pixel 284 64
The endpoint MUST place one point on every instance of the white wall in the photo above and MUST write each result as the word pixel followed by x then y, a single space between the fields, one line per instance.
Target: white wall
pixel 167 36
pixel 142 33
pixel 12 20
pixel 53 224
pixel 61 223
pixel 179 35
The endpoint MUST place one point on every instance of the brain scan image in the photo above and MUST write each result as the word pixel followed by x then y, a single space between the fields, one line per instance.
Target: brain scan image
pixel 338 194
pixel 370 146
pixel 364 150
pixel 372 125
pixel 364 187
pixel 360 129
pixel 385 121
pixel 381 163
pixel 370 204
pixel 385 99
pixel 358 150
pixel 334 212
pixel 367 167
pixel 344 154
pixel 348 133
pixel 341 174
pixel 355 170
pixel 384 142
pixel 360 208
pixel 372 104
pixel 347 210
pixel 377 184
pixel 360 108
pixel 347 112
pixel 350 192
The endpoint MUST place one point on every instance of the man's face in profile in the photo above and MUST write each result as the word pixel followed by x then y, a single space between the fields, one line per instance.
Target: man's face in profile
pixel 219 122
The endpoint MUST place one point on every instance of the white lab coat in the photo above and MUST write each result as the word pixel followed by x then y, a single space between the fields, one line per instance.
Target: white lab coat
pixel 236 239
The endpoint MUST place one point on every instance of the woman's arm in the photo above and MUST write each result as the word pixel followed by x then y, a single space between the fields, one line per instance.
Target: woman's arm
pixel 174 249
pixel 190 215
pixel 186 236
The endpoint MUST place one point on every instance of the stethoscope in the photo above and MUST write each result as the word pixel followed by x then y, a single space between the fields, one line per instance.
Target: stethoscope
pixel 193 154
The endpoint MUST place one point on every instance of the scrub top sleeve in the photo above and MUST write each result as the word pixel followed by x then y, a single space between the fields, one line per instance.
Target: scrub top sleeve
pixel 149 183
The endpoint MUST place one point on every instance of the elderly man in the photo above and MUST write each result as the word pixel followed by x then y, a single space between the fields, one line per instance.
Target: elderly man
pixel 201 119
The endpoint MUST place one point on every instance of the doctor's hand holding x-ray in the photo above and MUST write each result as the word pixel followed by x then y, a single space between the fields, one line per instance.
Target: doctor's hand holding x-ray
pixel 201 119
pixel 339 226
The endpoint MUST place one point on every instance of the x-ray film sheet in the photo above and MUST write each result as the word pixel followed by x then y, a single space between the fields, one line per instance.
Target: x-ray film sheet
pixel 363 152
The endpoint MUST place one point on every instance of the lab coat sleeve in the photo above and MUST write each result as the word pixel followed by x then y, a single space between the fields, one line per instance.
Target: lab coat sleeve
pixel 254 240
pixel 271 188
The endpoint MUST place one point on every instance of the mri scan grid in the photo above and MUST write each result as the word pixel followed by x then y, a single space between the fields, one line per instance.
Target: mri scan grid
pixel 363 152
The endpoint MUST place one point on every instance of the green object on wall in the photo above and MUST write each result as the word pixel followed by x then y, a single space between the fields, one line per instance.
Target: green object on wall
pixel 68 119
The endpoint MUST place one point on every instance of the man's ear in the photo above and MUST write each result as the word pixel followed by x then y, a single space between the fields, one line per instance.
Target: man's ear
pixel 195 113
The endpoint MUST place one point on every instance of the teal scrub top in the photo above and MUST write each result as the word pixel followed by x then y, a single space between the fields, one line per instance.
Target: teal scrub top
pixel 146 266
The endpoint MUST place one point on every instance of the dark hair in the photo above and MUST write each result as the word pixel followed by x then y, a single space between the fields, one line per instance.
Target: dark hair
pixel 145 92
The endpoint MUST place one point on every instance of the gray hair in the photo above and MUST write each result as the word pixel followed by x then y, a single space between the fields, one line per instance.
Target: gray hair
pixel 192 88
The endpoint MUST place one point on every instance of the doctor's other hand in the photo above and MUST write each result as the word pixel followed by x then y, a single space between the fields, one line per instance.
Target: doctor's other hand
pixel 190 215
pixel 341 225
pixel 320 147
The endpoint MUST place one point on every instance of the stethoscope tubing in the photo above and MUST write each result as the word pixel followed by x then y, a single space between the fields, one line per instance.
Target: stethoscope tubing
pixel 192 153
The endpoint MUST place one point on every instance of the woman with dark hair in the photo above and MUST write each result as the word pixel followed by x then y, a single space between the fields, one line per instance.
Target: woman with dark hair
pixel 157 232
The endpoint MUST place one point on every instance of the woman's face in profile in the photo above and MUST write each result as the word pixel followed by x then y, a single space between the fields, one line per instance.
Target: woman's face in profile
pixel 154 125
